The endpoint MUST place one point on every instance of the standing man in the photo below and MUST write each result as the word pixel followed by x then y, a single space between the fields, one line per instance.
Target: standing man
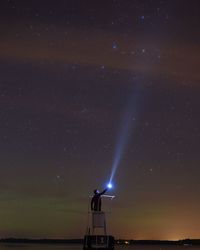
pixel 96 200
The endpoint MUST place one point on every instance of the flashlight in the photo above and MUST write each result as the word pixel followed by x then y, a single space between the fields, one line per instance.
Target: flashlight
pixel 109 185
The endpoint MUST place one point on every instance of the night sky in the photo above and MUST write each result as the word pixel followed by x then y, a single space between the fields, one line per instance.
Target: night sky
pixel 70 73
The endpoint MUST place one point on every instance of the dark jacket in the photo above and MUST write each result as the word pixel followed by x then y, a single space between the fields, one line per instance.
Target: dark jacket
pixel 96 201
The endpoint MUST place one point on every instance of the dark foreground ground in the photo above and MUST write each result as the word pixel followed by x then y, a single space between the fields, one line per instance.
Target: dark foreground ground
pixel 118 242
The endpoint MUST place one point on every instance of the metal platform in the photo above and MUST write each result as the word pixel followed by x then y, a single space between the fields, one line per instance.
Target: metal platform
pixel 98 242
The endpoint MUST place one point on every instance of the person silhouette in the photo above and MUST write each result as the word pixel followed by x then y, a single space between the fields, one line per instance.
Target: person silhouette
pixel 96 200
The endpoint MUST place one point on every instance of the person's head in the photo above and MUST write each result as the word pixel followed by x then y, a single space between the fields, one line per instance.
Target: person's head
pixel 96 191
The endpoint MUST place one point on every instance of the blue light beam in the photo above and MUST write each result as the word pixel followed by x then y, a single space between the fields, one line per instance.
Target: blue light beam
pixel 127 126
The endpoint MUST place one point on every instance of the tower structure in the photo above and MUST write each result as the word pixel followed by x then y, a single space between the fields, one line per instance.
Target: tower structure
pixel 96 236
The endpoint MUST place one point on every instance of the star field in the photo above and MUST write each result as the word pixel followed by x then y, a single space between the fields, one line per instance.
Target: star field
pixel 68 70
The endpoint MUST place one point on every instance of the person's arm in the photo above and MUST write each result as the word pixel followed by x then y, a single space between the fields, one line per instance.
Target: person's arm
pixel 103 192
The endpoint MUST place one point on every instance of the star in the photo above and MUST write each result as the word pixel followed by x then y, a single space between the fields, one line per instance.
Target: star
pixel 143 50
pixel 114 46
